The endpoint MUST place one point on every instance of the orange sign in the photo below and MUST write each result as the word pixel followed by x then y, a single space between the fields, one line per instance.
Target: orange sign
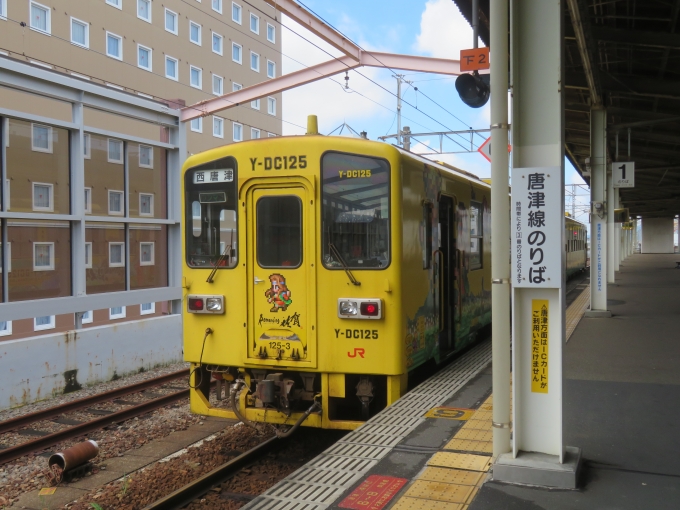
pixel 374 493
pixel 474 60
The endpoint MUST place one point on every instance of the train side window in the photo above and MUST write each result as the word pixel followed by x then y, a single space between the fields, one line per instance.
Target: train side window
pixel 476 235
pixel 427 226
pixel 279 231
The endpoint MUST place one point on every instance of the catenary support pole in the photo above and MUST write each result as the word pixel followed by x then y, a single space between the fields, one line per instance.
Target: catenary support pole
pixel 500 248
pixel 598 222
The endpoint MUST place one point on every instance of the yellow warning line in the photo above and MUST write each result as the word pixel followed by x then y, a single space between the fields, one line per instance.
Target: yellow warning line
pixel 576 310
pixel 452 477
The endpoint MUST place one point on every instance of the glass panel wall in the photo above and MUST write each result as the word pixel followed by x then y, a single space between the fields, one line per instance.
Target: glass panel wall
pixel 146 166
pixel 40 259
pixel 107 273
pixel 104 176
pixel 148 260
pixel 37 168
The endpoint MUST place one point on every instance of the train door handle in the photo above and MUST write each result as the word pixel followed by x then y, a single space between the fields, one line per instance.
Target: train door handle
pixel 257 280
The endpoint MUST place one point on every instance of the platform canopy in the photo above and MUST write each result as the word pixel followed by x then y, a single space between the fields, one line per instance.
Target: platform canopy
pixel 625 56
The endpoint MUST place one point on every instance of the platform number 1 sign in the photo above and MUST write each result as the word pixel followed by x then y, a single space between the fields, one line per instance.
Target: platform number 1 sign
pixel 623 174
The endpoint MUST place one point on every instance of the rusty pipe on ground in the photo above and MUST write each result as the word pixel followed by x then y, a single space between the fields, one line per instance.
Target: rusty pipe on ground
pixel 71 458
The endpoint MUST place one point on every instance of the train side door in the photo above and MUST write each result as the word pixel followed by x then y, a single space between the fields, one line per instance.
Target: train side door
pixel 280 276
pixel 446 261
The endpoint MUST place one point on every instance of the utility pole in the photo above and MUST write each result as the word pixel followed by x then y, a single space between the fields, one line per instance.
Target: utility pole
pixel 399 78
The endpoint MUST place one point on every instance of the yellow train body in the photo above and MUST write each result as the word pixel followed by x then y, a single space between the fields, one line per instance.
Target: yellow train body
pixel 300 219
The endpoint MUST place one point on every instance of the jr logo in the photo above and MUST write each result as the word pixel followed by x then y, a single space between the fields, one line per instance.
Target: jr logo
pixel 357 350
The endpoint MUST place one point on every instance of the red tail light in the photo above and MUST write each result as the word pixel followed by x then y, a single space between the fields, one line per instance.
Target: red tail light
pixel 195 304
pixel 370 309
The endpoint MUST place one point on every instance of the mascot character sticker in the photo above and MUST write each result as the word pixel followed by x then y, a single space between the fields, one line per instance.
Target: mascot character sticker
pixel 278 294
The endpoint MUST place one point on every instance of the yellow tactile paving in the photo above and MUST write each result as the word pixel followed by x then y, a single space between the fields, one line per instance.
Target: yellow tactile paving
pixel 439 491
pixel 475 435
pixel 406 503
pixel 576 310
pixel 460 461
pixel 481 415
pixel 466 445
pixel 477 425
pixel 453 476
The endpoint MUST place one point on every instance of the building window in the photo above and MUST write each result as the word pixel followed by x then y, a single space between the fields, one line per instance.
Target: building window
pixel 271 33
pixel 171 21
pixel 41 138
pixel 218 127
pixel 144 57
pixel 236 86
pixel 271 106
pixel 238 132
pixel 145 204
pixel 254 23
pixel 254 61
pixel 236 12
pixel 271 69
pixel 195 77
pixel 171 68
pixel 147 308
pixel 217 5
pixel 237 53
pixel 116 257
pixel 80 33
pixel 88 200
pixel 217 43
pixel 255 104
pixel 43 197
pixel 41 18
pixel 115 153
pixel 114 46
pixel 117 312
pixel 87 146
pixel 145 156
pixel 218 85
pixel 5 326
pixel 87 317
pixel 195 33
pixel 42 323
pixel 43 256
pixel 115 3
pixel 254 133
pixel 146 254
pixel 3 9
pixel 144 10
pixel 197 125
pixel 115 203
pixel 88 255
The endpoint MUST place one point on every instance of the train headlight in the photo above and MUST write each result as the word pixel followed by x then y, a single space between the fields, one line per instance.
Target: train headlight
pixel 205 304
pixel 348 308
pixel 359 308
pixel 214 305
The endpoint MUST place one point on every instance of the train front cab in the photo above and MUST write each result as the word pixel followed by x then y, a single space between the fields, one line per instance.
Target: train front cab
pixel 305 332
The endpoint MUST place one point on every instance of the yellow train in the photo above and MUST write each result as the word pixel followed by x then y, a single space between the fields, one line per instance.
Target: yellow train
pixel 319 271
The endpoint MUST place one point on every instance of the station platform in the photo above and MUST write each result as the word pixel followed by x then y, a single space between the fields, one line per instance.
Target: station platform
pixel 432 448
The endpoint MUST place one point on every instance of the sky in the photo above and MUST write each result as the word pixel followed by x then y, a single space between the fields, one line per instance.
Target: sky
pixel 433 28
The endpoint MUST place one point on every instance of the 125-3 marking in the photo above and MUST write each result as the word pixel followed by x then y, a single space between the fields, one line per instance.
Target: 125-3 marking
pixel 279 163
pixel 365 334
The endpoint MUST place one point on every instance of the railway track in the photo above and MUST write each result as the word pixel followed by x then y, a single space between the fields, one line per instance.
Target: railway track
pixel 78 428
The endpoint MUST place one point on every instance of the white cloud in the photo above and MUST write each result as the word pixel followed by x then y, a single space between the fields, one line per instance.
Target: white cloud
pixel 443 30
pixel 327 98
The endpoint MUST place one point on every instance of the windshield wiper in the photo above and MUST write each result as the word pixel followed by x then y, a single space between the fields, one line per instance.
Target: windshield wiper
pixel 336 254
pixel 227 249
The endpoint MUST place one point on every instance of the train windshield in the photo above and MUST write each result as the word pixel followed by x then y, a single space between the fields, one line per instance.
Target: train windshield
pixel 356 211
pixel 211 205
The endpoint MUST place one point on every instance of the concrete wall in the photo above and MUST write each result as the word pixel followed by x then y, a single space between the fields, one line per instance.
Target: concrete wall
pixel 657 235
pixel 42 367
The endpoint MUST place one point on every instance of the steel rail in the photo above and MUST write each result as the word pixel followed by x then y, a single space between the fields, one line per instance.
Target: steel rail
pixel 15 452
pixel 192 491
pixel 27 419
